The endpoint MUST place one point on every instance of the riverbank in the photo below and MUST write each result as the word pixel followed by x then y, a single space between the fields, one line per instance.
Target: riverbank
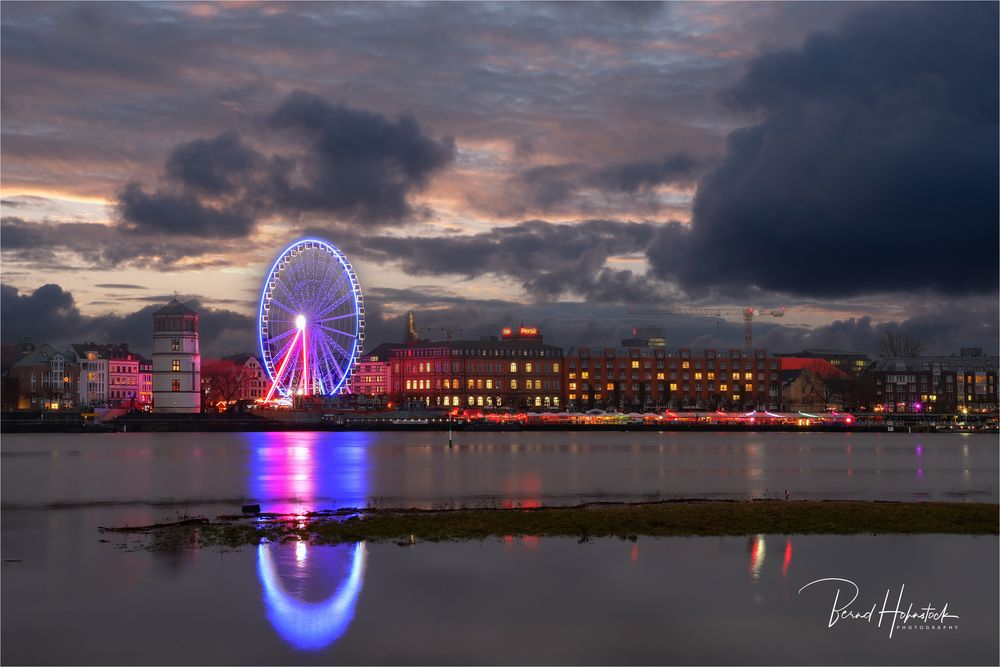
pixel 625 521
pixel 250 423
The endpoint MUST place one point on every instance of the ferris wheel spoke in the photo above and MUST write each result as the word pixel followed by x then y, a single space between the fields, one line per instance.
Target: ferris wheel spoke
pixel 337 331
pixel 281 305
pixel 278 337
pixel 336 317
pixel 341 300
pixel 337 293
pixel 332 358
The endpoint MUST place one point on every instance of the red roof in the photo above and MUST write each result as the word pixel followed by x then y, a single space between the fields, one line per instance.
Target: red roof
pixel 821 367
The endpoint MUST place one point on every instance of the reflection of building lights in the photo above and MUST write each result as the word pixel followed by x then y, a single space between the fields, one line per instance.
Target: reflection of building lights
pixel 758 551
pixel 788 558
pixel 316 625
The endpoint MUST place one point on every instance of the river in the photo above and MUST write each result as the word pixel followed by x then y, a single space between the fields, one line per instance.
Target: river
pixel 68 597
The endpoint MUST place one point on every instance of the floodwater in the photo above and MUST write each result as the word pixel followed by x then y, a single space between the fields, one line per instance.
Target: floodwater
pixel 68 597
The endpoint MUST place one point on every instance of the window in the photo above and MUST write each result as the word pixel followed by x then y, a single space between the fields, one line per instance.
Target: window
pixel 513 368
pixel 175 385
pixel 513 384
pixel 175 365
pixel 555 367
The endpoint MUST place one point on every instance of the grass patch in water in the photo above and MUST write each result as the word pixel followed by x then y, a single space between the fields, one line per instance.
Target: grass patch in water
pixel 654 519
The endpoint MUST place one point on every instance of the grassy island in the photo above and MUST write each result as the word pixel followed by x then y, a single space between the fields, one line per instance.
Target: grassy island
pixel 594 520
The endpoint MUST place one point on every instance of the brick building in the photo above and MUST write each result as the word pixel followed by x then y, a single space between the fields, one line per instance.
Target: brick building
pixel 936 384
pixel 518 371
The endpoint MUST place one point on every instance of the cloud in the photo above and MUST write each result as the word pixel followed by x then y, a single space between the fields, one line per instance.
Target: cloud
pixel 119 286
pixel 354 165
pixel 178 213
pixel 579 187
pixel 50 315
pixel 48 246
pixel 548 260
pixel 874 166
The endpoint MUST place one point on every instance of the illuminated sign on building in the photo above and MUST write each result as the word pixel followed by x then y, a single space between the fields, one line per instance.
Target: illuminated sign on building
pixel 508 333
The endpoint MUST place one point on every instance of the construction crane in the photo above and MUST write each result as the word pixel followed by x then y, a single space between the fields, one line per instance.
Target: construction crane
pixel 449 330
pixel 748 315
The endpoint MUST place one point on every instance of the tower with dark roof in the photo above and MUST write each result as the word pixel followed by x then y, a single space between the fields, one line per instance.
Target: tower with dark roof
pixel 176 359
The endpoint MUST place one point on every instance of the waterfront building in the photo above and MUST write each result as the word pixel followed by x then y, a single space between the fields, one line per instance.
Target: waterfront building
pixel 145 383
pixel 176 359
pixel 936 384
pixel 46 380
pixel 253 380
pixel 123 377
pixel 373 374
pixel 93 368
pixel 632 379
pixel 517 371
pixel 812 384
pixel 643 379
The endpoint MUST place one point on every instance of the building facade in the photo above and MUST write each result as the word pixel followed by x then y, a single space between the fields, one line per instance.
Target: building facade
pixel 253 379
pixel 46 380
pixel 649 378
pixel 94 369
pixel 124 382
pixel 371 377
pixel 936 384
pixel 852 363
pixel 176 359
pixel 517 371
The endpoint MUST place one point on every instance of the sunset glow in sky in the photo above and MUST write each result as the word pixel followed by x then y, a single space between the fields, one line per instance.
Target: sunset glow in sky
pixel 488 164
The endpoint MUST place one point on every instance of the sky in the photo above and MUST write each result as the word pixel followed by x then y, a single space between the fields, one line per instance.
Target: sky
pixel 487 164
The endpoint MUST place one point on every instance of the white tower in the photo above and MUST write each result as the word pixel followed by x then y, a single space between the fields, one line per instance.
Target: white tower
pixel 176 359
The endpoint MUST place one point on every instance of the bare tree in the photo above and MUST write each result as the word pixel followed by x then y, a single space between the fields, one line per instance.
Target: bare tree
pixel 895 345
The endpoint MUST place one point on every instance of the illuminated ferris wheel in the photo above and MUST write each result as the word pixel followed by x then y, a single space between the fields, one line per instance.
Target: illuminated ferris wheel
pixel 311 321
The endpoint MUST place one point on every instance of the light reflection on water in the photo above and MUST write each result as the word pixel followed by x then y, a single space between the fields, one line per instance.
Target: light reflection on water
pixel 310 625
pixel 294 473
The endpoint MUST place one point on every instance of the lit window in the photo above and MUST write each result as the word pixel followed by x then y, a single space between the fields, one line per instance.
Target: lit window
pixel 723 387
pixel 175 385
pixel 697 376
pixel 635 364
pixel 711 376
pixel 527 367
pixel 685 364
pixel 736 376
pixel 489 383
pixel 555 368
pixel 610 386
pixel 659 376
pixel 748 376
pixel 175 365
pixel 513 384
pixel 673 386
pixel 513 367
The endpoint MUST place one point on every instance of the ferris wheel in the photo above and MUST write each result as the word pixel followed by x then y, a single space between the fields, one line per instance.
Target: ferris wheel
pixel 311 322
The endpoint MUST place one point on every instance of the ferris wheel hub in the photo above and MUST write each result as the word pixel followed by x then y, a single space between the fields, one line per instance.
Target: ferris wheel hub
pixel 300 321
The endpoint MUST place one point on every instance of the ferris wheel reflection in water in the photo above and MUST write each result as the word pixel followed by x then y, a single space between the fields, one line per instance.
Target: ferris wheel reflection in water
pixel 294 473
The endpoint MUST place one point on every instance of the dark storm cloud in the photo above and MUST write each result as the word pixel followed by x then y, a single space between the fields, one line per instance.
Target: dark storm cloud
pixel 875 167
pixel 50 315
pixel 548 259
pixel 213 166
pixel 354 165
pixel 48 309
pixel 178 213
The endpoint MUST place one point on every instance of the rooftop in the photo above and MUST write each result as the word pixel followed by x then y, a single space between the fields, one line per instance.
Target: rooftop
pixel 175 307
